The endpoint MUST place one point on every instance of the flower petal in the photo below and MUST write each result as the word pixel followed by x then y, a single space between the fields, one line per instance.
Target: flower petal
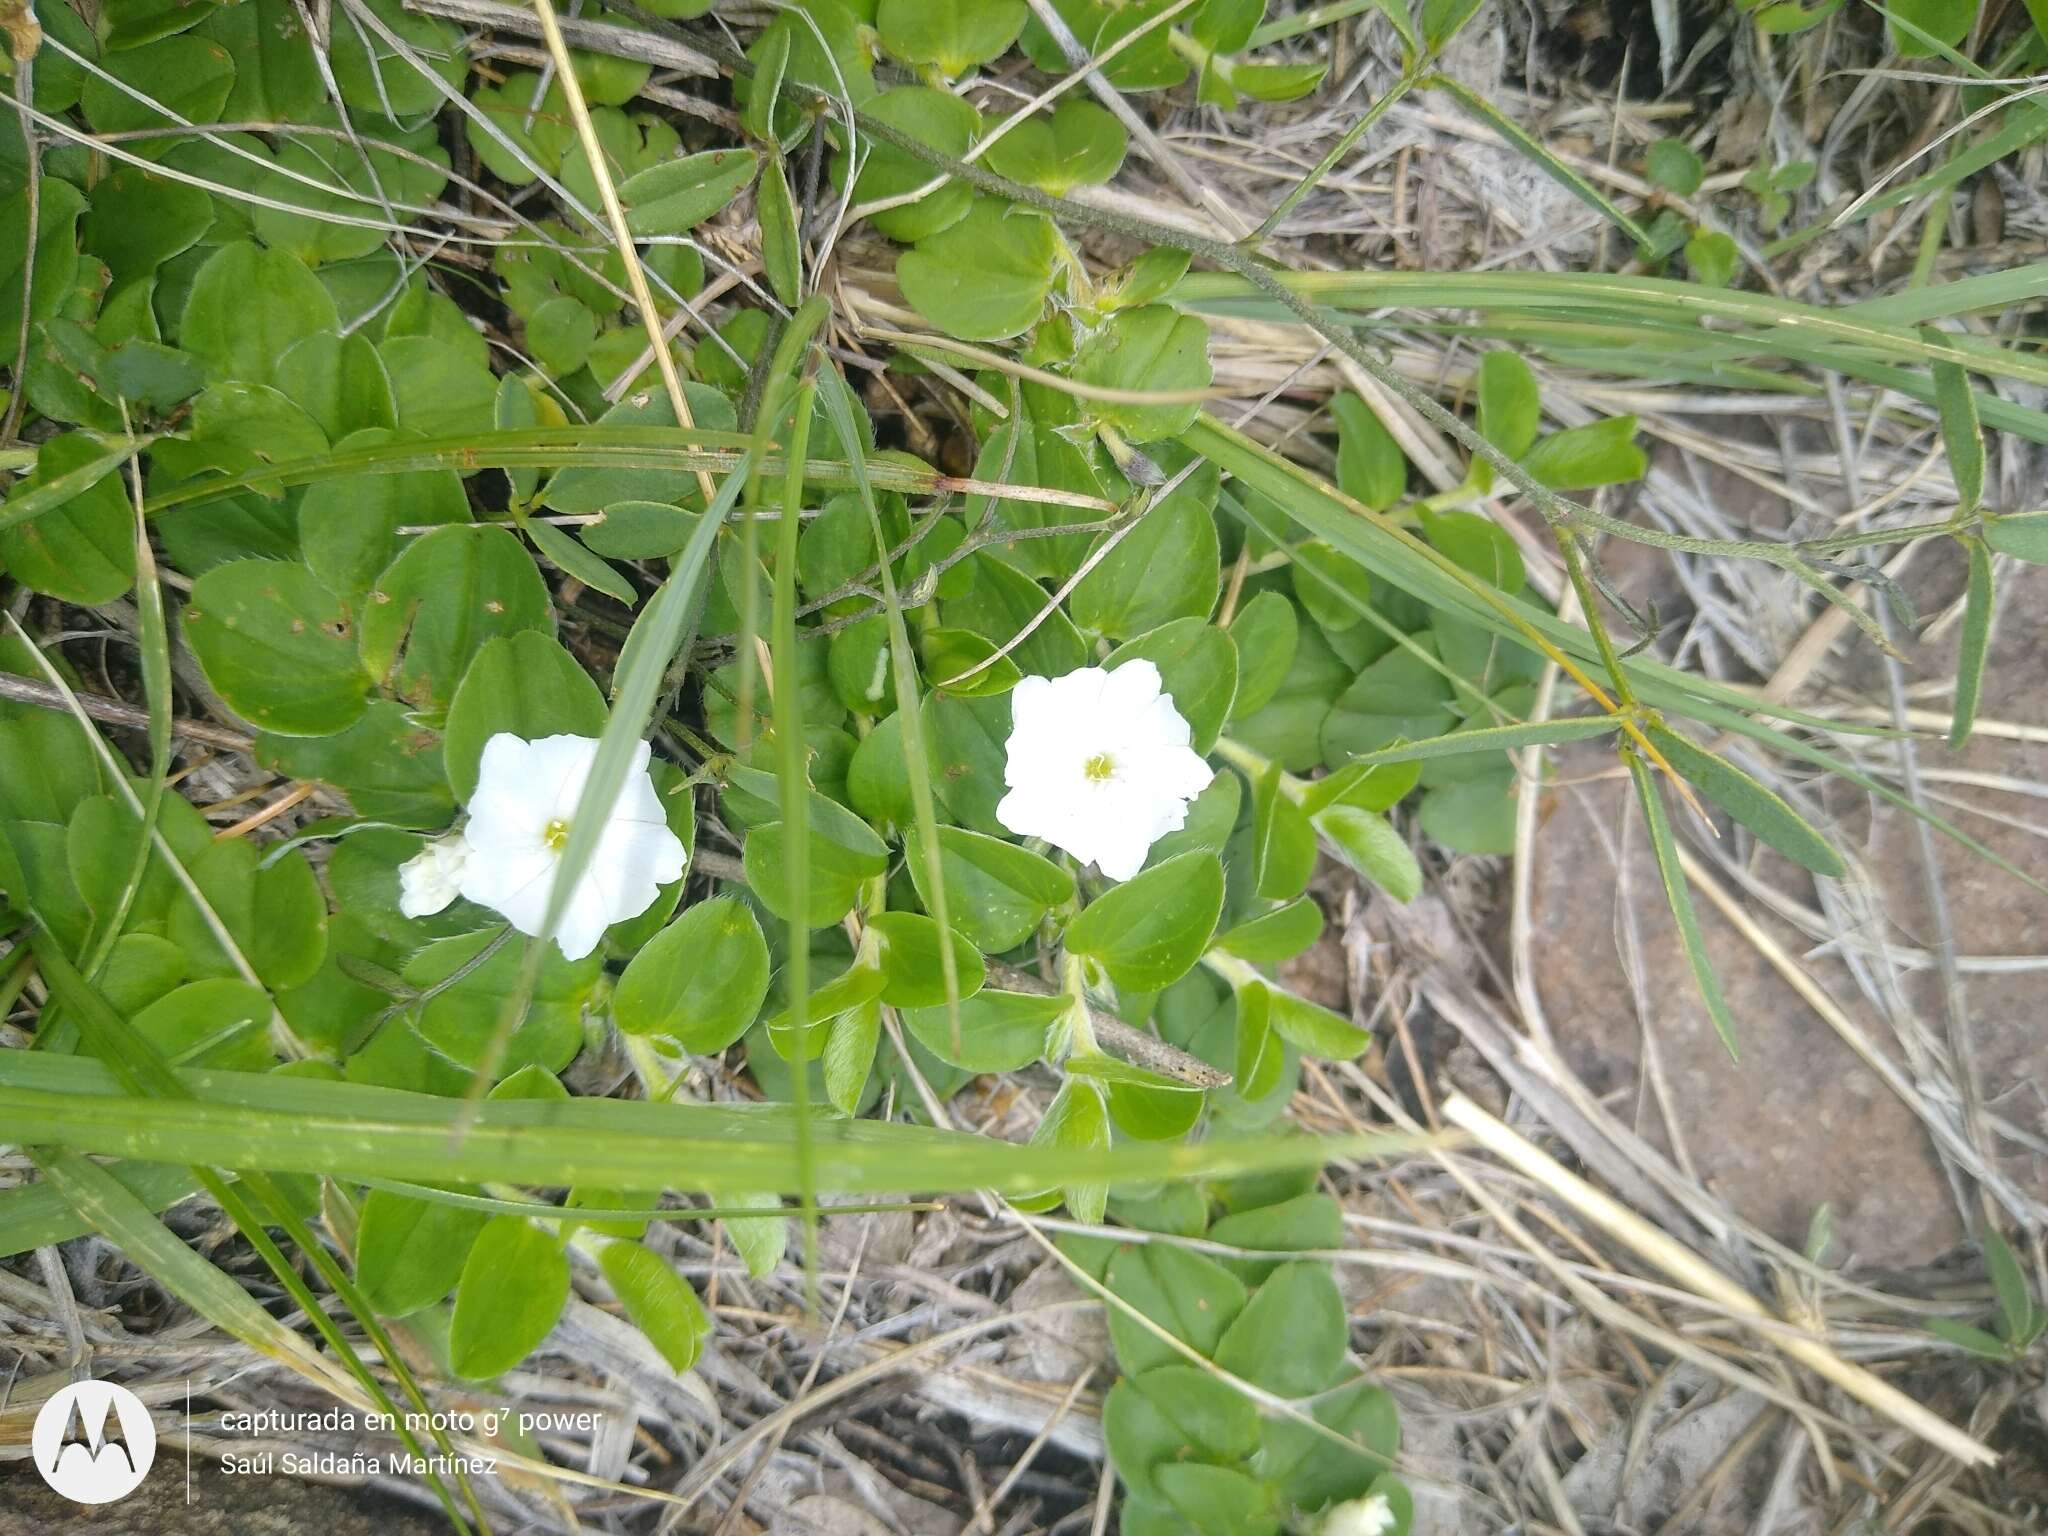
pixel 583 923
pixel 513 882
pixel 560 766
pixel 632 861
pixel 1131 689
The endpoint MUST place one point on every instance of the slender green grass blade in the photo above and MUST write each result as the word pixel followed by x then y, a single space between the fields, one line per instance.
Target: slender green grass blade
pixel 153 643
pixel 1535 149
pixel 1322 513
pixel 1645 298
pixel 777 380
pixel 795 793
pixel 32 504
pixel 1977 609
pixel 117 1203
pixel 34 1215
pixel 2028 125
pixel 346 1130
pixel 1680 899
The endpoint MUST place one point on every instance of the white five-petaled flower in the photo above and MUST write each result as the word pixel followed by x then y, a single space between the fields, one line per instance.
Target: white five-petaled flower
pixel 1099 765
pixel 519 820
pixel 1370 1516
pixel 432 878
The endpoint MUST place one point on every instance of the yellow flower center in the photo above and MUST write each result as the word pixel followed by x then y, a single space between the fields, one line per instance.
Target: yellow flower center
pixel 555 834
pixel 1099 769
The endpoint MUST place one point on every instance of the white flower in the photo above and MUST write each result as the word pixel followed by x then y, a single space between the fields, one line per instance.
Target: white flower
pixel 519 818
pixel 1099 765
pixel 432 878
pixel 1372 1516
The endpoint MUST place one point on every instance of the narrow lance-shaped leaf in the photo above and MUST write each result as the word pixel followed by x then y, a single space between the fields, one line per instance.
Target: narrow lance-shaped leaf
pixel 1749 802
pixel 1962 438
pixel 781 242
pixel 2016 1305
pixel 153 636
pixel 1977 606
pixel 1680 899
pixel 1537 151
pixel 1531 733
pixel 115 1211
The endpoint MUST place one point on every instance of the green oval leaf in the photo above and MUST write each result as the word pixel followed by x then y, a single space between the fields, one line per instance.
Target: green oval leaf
pixel 1078 145
pixel 2023 535
pixel 1148 931
pixel 676 196
pixel 248 306
pixel 947 654
pixel 837 872
pixel 1291 1335
pixel 996 892
pixel 438 603
pixel 1369 844
pixel 1274 936
pixel 82 550
pixel 527 684
pixel 999 1031
pixel 912 970
pixel 954 35
pixel 1265 632
pixel 277 646
pixel 1162 569
pixel 514 1285
pixel 1154 347
pixel 410 1252
pixel 1197 668
pixel 700 981
pixel 984 277
pixel 658 1300
pixel 1283 842
pixel 387 764
pixel 1370 465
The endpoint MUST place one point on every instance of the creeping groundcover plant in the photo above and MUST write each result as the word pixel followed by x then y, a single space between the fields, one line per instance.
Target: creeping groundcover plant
pixel 522 748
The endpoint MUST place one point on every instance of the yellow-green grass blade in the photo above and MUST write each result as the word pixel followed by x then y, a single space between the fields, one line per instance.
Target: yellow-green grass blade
pixel 1647 298
pixel 794 786
pixel 33 1215
pixel 680 449
pixel 119 1203
pixel 32 504
pixel 290 1124
pixel 1536 150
